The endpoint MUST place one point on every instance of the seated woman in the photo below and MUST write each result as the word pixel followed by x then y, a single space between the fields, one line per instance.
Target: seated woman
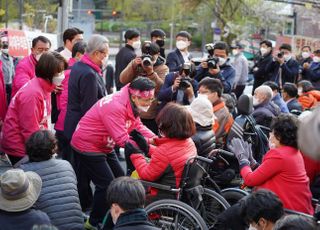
pixel 170 152
pixel 59 195
pixel 308 96
pixel 282 169
pixel 202 113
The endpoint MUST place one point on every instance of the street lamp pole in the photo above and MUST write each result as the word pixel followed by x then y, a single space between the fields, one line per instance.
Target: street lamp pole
pixel 20 14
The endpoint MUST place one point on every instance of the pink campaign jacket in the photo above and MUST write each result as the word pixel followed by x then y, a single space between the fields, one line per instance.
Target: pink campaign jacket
pixel 28 112
pixel 62 99
pixel 107 123
pixel 25 71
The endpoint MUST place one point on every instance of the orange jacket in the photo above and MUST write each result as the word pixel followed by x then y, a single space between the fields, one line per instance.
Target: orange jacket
pixel 307 100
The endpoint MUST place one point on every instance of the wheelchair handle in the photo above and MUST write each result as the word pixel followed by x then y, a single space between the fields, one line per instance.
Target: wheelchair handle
pixel 204 159
pixel 222 152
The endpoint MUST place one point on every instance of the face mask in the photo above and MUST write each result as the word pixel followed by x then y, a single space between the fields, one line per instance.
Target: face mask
pixel 235 52
pixel 252 228
pixel 287 57
pixel 305 55
pixel 255 101
pixel 5 51
pixel 222 61
pixel 316 59
pixel 263 50
pixel 160 43
pixel 300 91
pixel 57 79
pixel 271 144
pixel 38 56
pixel 143 108
pixel 136 45
pixel 181 45
pixel 105 62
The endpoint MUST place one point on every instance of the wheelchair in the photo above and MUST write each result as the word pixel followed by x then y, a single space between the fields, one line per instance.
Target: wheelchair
pixel 195 206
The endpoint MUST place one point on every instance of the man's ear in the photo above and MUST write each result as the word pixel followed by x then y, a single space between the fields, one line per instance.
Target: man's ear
pixel 262 223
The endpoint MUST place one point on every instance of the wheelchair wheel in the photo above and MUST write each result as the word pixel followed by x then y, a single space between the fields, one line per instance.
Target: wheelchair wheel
pixel 173 214
pixel 233 195
pixel 211 206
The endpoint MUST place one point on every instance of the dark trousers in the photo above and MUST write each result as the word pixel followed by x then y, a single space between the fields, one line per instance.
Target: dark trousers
pixel 101 170
pixel 14 159
pixel 64 148
pixel 8 91
pixel 239 90
pixel 151 124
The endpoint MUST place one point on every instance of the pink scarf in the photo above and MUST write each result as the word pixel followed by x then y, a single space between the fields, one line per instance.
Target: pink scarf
pixel 86 60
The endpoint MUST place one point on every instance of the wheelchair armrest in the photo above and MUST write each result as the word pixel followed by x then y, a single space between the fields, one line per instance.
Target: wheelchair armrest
pixel 160 186
pixel 289 211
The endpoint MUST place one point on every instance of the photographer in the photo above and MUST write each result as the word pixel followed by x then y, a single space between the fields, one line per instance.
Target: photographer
pixel 150 65
pixel 179 86
pixel 217 66
pixel 158 36
pixel 283 67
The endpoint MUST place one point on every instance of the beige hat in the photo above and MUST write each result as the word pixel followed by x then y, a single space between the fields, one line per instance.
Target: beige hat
pixel 19 190
pixel 202 111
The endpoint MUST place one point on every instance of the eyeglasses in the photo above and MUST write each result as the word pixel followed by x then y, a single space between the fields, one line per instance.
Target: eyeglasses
pixel 146 99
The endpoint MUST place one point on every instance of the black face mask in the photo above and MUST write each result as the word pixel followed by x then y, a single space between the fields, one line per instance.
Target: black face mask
pixel 160 43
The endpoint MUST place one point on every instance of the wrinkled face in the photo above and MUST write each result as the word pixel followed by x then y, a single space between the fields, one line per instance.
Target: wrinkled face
pixel 142 102
pixel 40 48
pixel 212 96
pixel 259 95
pixel 99 56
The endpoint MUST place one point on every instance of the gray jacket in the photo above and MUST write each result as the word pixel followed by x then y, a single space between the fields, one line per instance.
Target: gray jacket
pixel 240 64
pixel 7 68
pixel 59 195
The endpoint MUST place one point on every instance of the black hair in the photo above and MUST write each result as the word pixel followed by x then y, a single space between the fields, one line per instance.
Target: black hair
pixel 157 33
pixel 291 89
pixel 317 51
pixel 79 47
pixel 41 145
pixel 150 48
pixel 184 34
pixel 131 33
pixel 263 204
pixel 142 84
pixel 306 85
pixel 309 47
pixel 285 129
pixel 49 64
pixel 285 46
pixel 272 85
pixel 221 46
pixel 42 39
pixel 295 222
pixel 70 33
pixel 214 85
pixel 267 43
pixel 127 192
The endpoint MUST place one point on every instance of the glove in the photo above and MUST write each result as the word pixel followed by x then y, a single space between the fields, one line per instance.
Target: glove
pixel 140 140
pixel 129 149
pixel 248 147
pixel 237 147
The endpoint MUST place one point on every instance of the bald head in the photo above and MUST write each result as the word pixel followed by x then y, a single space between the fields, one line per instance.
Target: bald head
pixel 263 93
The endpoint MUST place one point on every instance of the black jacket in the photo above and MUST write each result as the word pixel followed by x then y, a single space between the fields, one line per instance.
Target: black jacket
pixel 85 88
pixel 289 70
pixel 294 105
pixel 264 112
pixel 175 60
pixel 261 71
pixel 204 139
pixel 125 55
pixel 130 220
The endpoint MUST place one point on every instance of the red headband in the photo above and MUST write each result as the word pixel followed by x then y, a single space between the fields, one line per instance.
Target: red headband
pixel 142 94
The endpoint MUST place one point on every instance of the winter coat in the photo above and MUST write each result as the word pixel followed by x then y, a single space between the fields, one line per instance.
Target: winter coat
pixel 240 64
pixel 59 194
pixel 168 158
pixel 282 171
pixel 293 104
pixel 261 72
pixel 226 75
pixel 313 74
pixel 307 100
pixel 264 112
pixel 125 55
pixel 85 88
pixel 175 60
pixel 107 123
pixel 158 76
pixel 7 68
pixel 62 99
pixel 25 71
pixel 3 97
pixel 280 102
pixel 204 140
pixel 29 111
pixel 289 71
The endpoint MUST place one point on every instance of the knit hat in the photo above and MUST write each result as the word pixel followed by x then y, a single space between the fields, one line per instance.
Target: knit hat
pixel 202 111
pixel 19 190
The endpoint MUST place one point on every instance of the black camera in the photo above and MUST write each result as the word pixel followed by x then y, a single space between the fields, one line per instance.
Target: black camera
pixel 146 60
pixel 186 80
pixel 213 62
pixel 280 54
pixel 210 48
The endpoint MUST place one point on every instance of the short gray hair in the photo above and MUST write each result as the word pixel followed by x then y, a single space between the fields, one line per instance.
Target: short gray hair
pixel 97 42
pixel 266 90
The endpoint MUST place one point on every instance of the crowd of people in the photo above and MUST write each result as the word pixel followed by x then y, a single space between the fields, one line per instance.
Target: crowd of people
pixel 165 110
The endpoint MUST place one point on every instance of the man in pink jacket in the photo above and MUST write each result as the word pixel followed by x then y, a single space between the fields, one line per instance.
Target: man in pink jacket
pixel 109 123
pixel 25 69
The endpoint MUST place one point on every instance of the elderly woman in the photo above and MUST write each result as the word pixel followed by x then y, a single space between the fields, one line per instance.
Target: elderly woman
pixel 59 195
pixel 282 169
pixel 108 123
pixel 30 108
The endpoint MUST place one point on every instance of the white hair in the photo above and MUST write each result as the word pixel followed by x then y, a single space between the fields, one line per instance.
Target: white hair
pixel 265 90
pixel 97 42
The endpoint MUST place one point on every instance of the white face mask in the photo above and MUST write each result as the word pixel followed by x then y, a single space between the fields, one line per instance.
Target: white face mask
pixel 222 61
pixel 255 101
pixel 136 45
pixel 38 56
pixel 316 59
pixel 181 45
pixel 235 52
pixel 252 228
pixel 143 108
pixel 105 62
pixel 305 55
pixel 5 51
pixel 300 91
pixel 271 144
pixel 263 51
pixel 287 57
pixel 57 79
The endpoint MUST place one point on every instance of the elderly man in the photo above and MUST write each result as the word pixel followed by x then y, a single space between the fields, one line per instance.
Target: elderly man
pixel 264 108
